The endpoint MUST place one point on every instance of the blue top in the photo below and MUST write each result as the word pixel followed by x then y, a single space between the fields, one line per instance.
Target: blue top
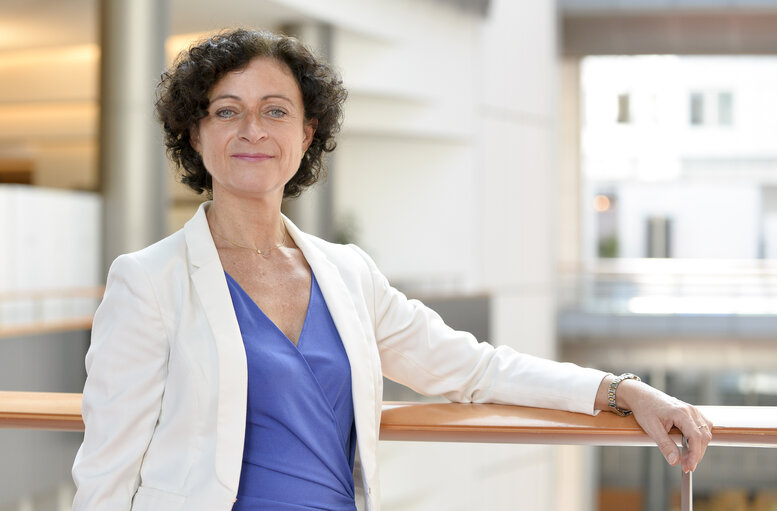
pixel 300 434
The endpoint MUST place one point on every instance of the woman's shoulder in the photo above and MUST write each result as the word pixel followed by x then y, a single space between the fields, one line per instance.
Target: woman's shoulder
pixel 348 255
pixel 157 257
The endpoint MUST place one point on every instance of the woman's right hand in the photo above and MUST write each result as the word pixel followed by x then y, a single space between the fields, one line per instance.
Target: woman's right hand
pixel 657 413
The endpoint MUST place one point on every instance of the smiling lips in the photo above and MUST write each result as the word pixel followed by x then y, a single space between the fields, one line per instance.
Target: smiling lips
pixel 252 156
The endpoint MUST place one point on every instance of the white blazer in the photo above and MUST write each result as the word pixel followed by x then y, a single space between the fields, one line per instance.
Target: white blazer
pixel 165 398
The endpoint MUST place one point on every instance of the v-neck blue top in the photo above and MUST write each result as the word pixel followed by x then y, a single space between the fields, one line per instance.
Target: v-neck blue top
pixel 300 435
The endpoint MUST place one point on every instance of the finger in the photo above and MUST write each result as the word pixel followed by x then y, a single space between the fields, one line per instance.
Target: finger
pixel 705 433
pixel 697 446
pixel 665 444
pixel 698 436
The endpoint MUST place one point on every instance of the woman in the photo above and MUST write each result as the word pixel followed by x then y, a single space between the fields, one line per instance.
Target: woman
pixel 238 363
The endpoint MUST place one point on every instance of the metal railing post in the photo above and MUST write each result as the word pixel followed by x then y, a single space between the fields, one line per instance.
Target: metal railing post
pixel 686 489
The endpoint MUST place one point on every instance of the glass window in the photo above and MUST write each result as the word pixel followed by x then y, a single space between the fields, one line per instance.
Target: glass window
pixel 659 237
pixel 697 108
pixel 725 108
pixel 624 113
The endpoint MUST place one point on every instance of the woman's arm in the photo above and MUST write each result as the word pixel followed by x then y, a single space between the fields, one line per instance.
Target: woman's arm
pixel 420 351
pixel 126 367
pixel 657 413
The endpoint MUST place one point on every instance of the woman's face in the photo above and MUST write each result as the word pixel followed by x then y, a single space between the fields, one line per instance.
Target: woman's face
pixel 255 133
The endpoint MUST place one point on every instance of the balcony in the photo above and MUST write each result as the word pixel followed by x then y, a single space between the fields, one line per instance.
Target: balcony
pixel 669 314
pixel 454 422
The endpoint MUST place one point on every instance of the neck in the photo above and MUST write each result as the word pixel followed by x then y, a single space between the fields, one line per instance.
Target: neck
pixel 248 222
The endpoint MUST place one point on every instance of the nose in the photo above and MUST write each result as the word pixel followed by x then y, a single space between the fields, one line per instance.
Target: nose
pixel 252 128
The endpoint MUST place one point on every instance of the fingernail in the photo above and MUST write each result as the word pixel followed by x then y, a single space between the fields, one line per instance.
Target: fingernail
pixel 672 458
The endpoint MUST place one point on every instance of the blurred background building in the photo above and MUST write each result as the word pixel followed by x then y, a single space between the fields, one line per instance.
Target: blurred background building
pixel 588 180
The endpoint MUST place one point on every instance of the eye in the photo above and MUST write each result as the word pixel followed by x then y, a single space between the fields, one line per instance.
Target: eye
pixel 225 113
pixel 277 113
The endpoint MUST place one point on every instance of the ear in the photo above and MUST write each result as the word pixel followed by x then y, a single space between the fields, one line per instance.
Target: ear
pixel 194 137
pixel 309 129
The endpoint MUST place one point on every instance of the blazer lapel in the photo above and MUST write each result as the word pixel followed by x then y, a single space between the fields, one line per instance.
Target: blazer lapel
pixel 207 274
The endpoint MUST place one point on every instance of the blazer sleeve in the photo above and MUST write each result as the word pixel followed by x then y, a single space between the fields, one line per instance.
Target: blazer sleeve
pixel 126 368
pixel 419 350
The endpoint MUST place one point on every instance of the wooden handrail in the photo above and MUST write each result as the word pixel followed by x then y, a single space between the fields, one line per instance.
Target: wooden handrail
pixel 46 327
pixel 42 325
pixel 41 410
pixel 744 426
pixel 65 292
pixel 733 425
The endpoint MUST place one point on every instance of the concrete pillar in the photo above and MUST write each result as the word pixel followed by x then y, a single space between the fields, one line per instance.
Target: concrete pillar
pixel 519 114
pixel 65 495
pixel 582 471
pixel 26 504
pixel 313 211
pixel 132 165
pixel 577 477
pixel 570 208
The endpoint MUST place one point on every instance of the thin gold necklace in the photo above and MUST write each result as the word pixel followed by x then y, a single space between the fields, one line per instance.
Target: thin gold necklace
pixel 264 252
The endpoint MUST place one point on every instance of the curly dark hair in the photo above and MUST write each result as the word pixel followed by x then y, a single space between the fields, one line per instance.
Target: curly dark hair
pixel 183 99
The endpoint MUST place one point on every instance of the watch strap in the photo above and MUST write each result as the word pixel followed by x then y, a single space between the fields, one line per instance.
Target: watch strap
pixel 612 391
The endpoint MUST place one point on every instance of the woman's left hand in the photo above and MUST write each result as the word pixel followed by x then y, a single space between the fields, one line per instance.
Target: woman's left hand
pixel 657 413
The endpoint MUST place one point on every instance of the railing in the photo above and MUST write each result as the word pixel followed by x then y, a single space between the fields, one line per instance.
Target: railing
pixel 47 310
pixel 671 286
pixel 743 426
pixel 57 411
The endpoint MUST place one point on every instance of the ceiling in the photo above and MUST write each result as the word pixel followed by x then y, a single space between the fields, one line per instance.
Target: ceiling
pixel 663 6
pixel 44 23
pixel 28 24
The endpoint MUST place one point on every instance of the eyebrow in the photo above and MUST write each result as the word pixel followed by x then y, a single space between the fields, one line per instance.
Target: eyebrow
pixel 268 96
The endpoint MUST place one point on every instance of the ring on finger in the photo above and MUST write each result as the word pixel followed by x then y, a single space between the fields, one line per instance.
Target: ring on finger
pixel 703 426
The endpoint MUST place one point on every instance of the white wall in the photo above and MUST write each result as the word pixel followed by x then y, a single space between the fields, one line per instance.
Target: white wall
pixel 708 220
pixel 408 143
pixel 659 89
pixel 708 177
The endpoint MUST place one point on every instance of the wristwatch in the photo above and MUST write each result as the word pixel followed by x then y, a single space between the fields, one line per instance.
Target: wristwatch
pixel 614 388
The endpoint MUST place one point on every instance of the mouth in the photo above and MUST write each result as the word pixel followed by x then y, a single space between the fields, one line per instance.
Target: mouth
pixel 252 156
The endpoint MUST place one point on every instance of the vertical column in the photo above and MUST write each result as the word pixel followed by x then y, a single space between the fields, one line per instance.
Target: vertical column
pixel 569 205
pixel 582 472
pixel 132 165
pixel 65 495
pixel 313 212
pixel 520 180
pixel 26 504
pixel 518 173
